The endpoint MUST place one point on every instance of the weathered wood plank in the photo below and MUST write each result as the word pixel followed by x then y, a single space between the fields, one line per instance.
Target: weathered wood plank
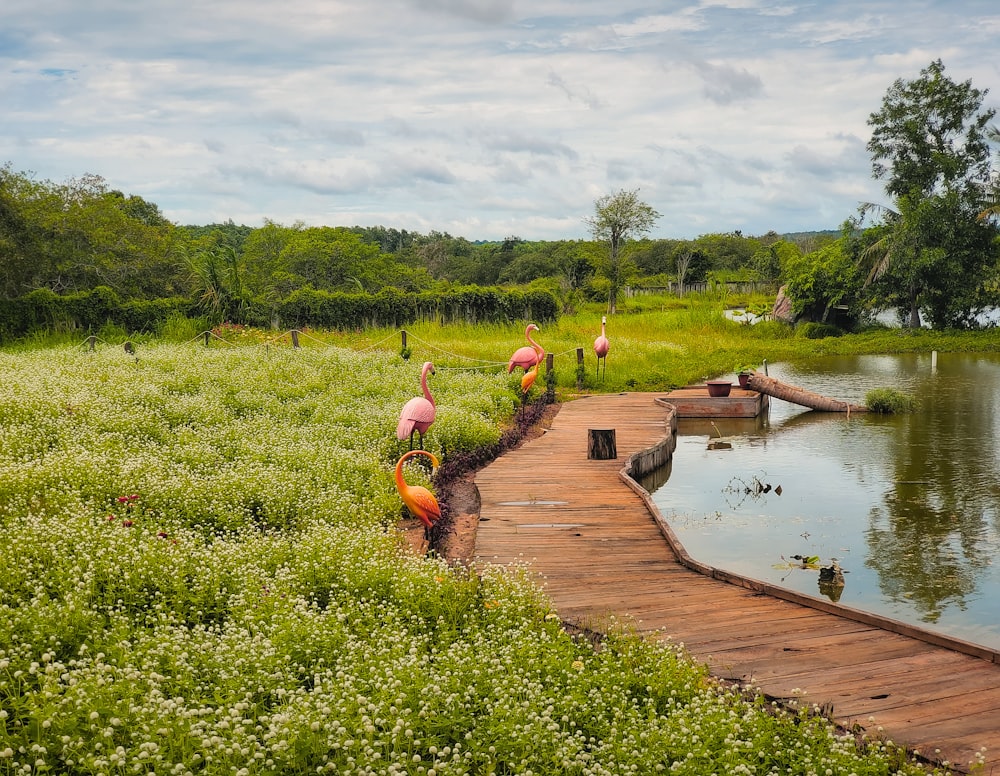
pixel 598 552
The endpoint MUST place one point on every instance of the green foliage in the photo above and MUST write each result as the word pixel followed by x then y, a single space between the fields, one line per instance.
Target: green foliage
pixel 818 281
pixel 79 235
pixel 767 262
pixel 932 251
pixel 43 309
pixel 888 401
pixel 930 135
pixel 86 311
pixel 176 327
pixel 389 307
pixel 812 330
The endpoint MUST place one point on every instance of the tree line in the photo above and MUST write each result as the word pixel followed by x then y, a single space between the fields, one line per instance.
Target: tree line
pixel 82 234
pixel 931 251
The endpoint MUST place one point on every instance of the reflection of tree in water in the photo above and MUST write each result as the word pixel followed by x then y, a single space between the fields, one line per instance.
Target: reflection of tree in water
pixel 932 541
pixel 919 557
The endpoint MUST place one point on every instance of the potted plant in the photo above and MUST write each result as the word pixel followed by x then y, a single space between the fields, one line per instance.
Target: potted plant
pixel 743 372
pixel 718 388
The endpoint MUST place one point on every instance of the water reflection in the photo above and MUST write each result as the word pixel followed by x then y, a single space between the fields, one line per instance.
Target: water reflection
pixel 931 543
pixel 905 505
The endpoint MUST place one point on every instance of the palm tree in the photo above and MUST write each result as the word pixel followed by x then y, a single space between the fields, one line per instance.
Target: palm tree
pixel 993 205
pixel 898 246
pixel 217 274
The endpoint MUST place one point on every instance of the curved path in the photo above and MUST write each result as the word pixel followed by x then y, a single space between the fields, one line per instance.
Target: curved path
pixel 601 549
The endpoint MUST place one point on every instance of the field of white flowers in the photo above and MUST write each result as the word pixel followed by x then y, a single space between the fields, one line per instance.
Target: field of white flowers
pixel 199 574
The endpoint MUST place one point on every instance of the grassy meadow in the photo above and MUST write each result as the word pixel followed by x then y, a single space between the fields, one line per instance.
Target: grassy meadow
pixel 657 343
pixel 200 572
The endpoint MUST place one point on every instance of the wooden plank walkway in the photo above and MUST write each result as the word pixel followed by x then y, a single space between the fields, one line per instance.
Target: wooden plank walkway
pixel 599 551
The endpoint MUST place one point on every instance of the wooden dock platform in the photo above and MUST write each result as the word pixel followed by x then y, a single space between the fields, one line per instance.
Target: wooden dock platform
pixel 693 401
pixel 598 551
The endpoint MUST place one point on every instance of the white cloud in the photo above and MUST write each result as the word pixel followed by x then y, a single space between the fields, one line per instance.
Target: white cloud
pixel 483 118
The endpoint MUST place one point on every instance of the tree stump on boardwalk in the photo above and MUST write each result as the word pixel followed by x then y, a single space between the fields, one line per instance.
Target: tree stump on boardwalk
pixel 601 445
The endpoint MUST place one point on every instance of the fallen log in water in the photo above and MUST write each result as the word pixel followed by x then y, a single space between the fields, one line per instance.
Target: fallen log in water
pixel 779 390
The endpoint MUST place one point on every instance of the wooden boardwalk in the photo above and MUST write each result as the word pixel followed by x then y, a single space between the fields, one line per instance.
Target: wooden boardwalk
pixel 599 551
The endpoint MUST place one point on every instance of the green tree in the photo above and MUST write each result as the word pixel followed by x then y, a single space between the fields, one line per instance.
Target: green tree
pixel 262 251
pixel 618 218
pixel 819 281
pixel 929 144
pixel 726 251
pixel 78 235
pixel 768 260
pixel 16 238
pixel 331 259
pixel 931 135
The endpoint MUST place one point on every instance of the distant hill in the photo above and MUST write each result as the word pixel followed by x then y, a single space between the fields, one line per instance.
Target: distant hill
pixel 795 236
pixel 810 241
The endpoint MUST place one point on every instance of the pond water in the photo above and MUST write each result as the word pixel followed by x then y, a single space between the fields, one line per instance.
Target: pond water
pixel 907 504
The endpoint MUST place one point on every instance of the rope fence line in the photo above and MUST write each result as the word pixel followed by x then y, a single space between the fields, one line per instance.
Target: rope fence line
pixel 294 334
pixel 376 344
pixel 92 341
pixel 483 362
pixel 206 335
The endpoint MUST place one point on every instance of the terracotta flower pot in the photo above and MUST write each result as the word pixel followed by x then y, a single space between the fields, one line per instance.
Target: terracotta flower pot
pixel 719 387
pixel 743 377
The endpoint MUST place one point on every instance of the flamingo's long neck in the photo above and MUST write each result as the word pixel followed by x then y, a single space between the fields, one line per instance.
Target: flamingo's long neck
pixel 423 384
pixel 535 346
pixel 400 482
pixel 602 327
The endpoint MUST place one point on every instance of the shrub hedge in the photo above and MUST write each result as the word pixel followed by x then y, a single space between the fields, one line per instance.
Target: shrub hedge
pixel 90 310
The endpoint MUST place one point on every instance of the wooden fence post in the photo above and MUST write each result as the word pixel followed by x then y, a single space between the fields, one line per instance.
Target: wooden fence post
pixel 579 371
pixel 92 341
pixel 207 335
pixel 601 445
pixel 295 338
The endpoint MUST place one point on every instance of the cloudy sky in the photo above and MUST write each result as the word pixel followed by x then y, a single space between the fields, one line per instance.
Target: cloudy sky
pixel 481 118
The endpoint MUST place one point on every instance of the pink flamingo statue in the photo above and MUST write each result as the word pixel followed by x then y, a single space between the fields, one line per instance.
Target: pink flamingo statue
pixel 528 380
pixel 528 355
pixel 418 413
pixel 601 347
pixel 420 501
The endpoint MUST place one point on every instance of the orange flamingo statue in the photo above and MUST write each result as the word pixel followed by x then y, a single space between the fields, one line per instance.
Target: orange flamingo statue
pixel 528 379
pixel 420 501
pixel 418 413
pixel 601 347
pixel 528 355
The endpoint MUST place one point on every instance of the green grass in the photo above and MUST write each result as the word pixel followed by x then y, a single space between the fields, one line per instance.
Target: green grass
pixel 201 574
pixel 888 401
pixel 657 343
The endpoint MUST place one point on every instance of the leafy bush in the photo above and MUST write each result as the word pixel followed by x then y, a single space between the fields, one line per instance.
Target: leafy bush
pixel 812 330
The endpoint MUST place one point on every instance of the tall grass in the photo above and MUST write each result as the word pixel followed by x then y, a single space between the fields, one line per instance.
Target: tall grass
pixel 657 343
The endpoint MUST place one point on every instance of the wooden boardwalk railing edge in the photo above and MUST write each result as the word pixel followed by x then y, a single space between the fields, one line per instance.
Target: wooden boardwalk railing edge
pixel 645 461
pixel 598 545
